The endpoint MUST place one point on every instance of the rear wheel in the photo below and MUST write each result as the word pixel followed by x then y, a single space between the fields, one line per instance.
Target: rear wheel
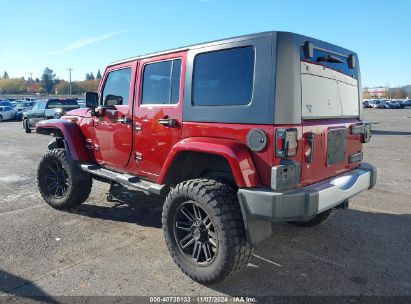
pixel 1 118
pixel 59 184
pixel 204 230
pixel 315 221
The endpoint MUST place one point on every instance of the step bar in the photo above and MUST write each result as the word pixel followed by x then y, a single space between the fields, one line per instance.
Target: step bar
pixel 123 179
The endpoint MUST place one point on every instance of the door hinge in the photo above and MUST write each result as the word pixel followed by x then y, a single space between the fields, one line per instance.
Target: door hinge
pixel 138 156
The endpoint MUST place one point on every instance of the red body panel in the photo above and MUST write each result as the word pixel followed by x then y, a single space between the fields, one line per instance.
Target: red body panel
pixel 236 153
pixel 238 133
pixel 318 169
pixel 72 134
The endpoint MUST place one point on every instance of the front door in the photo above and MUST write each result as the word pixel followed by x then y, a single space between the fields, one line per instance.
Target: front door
pixel 113 126
pixel 158 118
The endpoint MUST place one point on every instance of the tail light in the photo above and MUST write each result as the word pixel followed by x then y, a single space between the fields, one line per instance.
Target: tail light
pixel 286 142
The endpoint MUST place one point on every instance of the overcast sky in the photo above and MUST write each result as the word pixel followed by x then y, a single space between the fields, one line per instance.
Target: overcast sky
pixel 87 35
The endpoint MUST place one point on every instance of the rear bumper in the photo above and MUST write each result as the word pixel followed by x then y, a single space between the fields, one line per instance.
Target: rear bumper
pixel 260 207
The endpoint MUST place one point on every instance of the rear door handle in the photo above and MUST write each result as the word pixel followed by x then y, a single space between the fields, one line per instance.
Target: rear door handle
pixel 168 122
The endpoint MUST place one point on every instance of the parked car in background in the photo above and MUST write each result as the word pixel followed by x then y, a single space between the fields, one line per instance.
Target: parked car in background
pixel 6 103
pixel 81 102
pixel 47 109
pixel 366 104
pixel 24 105
pixel 377 104
pixel 406 103
pixel 7 113
pixel 21 107
pixel 392 104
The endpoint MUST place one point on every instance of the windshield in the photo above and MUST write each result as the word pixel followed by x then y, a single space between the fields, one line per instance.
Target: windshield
pixel 62 103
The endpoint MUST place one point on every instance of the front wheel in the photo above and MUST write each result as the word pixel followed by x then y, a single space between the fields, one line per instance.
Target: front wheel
pixel 58 183
pixel 204 230
pixel 26 125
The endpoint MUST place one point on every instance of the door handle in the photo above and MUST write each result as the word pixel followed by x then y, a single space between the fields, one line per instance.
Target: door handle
pixel 168 122
pixel 125 120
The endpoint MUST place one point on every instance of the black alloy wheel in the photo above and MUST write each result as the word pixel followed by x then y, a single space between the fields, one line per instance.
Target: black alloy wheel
pixel 61 184
pixel 204 230
pixel 195 233
pixel 56 179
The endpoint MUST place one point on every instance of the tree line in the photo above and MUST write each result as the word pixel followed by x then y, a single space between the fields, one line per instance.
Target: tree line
pixel 48 84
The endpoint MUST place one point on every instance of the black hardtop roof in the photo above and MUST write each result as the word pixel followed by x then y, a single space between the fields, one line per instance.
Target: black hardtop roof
pixel 235 39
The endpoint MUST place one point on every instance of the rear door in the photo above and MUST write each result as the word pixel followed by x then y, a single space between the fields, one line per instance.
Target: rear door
pixel 158 116
pixel 330 106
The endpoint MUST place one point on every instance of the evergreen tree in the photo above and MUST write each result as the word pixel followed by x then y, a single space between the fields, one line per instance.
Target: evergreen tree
pixel 47 80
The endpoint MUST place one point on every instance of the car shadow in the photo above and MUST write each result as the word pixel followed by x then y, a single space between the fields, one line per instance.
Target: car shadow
pixel 13 288
pixel 126 205
pixel 355 252
pixel 382 132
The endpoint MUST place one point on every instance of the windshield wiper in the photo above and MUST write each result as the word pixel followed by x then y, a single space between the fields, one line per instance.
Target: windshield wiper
pixel 330 58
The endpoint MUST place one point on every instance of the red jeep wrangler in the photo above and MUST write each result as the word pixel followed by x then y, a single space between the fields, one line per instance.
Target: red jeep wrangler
pixel 235 134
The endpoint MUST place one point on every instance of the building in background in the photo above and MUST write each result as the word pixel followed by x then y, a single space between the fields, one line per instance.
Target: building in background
pixel 380 92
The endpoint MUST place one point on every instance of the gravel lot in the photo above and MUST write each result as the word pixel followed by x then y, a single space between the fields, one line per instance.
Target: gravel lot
pixel 117 248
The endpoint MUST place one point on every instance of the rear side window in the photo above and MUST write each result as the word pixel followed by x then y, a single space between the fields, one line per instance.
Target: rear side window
pixel 118 84
pixel 161 82
pixel 224 78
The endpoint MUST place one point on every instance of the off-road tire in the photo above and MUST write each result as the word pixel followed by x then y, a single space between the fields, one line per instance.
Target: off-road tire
pixel 77 191
pixel 26 126
pixel 315 221
pixel 220 202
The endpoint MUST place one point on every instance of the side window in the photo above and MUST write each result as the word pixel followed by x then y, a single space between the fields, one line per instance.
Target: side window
pixel 118 84
pixel 161 82
pixel 35 106
pixel 223 78
pixel 7 108
pixel 1 109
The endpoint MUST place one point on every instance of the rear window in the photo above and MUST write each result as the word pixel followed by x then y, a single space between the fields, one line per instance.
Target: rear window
pixel 329 87
pixel 321 55
pixel 224 78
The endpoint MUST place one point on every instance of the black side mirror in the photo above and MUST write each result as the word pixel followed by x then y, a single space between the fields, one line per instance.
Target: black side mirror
pixel 91 99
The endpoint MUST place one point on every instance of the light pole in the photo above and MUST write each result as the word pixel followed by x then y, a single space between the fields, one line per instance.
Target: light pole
pixel 70 69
